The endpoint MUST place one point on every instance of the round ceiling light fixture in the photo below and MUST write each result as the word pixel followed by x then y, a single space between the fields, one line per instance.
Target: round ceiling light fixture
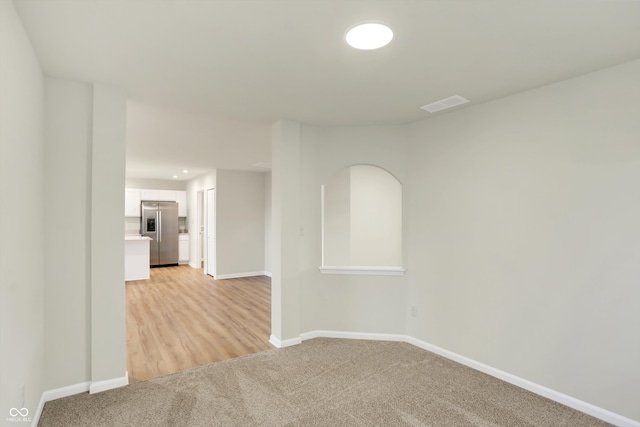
pixel 369 36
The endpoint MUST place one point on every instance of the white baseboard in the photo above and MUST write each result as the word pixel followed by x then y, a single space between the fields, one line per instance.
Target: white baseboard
pixel 364 271
pixel 239 275
pixel 193 265
pixel 276 342
pixel 577 404
pixel 91 387
pixel 58 393
pixel 98 386
pixel 538 389
pixel 353 336
pixel 267 273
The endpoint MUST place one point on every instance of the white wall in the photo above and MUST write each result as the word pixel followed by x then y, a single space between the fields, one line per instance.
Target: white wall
pixel 267 222
pixel 524 243
pixel 108 330
pixel 362 218
pixel 374 304
pixel 156 184
pixel 201 183
pixel 84 285
pixel 240 222
pixel 48 232
pixel 337 219
pixel 68 118
pixel 285 228
pixel 376 217
pixel 21 217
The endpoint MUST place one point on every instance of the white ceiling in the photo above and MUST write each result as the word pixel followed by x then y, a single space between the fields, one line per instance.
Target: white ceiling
pixel 162 142
pixel 207 78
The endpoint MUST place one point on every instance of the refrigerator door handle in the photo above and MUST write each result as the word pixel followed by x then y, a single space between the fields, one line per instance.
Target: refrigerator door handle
pixel 159 226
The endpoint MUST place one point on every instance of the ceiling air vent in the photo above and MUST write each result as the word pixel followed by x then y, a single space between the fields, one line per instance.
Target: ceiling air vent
pixel 443 104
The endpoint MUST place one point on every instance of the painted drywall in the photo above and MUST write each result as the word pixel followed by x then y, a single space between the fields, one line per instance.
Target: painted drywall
pixel 373 304
pixel 285 229
pixel 239 222
pixel 21 218
pixel 156 184
pixel 108 332
pixel 578 311
pixel 267 222
pixel 157 132
pixel 337 219
pixel 524 250
pixel 68 129
pixel 376 217
pixel 131 225
pixel 362 218
pixel 201 183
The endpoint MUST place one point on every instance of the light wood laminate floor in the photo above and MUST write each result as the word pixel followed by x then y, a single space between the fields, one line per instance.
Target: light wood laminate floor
pixel 181 318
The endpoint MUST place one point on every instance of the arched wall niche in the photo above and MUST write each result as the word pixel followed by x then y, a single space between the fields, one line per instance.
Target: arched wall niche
pixel 362 222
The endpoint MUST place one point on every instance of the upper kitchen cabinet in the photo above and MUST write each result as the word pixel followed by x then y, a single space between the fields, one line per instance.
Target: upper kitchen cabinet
pixel 133 197
pixel 159 195
pixel 181 198
pixel 131 202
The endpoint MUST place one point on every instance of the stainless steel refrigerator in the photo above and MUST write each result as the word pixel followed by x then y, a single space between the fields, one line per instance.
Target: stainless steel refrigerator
pixel 160 223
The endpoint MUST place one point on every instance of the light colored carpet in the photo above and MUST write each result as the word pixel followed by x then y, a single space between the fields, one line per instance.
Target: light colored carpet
pixel 322 382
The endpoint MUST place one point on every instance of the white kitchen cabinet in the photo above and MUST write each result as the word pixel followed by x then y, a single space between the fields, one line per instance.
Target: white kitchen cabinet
pixel 136 257
pixel 183 248
pixel 158 195
pixel 131 202
pixel 181 198
pixel 134 196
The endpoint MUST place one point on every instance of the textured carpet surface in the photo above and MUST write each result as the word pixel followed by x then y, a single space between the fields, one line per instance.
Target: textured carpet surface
pixel 322 382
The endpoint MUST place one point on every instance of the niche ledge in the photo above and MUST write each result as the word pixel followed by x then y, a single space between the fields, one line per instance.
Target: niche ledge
pixel 364 271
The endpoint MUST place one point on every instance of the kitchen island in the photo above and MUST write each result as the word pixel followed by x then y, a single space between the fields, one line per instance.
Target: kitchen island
pixel 136 257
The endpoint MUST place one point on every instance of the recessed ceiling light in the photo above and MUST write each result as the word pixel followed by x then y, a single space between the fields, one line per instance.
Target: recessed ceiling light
pixel 185 171
pixel 369 36
pixel 175 176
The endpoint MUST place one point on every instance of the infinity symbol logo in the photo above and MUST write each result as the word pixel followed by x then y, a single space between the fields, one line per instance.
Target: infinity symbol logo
pixel 14 412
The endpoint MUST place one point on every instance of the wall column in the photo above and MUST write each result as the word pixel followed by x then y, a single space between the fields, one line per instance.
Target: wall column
pixel 108 331
pixel 285 234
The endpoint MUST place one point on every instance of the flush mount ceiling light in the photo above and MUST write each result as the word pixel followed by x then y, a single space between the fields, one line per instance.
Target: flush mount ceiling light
pixel 369 36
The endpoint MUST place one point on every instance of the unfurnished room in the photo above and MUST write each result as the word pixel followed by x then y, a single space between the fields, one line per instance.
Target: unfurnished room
pixel 319 212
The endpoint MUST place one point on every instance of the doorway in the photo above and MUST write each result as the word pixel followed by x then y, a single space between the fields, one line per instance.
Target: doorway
pixel 180 318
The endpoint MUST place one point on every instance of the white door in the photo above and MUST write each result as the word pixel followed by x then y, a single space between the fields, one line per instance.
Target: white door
pixel 210 265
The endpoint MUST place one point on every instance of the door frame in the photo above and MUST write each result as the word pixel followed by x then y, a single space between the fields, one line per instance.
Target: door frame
pixel 199 229
pixel 210 227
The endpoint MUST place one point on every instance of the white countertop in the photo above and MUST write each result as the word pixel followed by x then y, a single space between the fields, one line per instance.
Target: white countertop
pixel 135 237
